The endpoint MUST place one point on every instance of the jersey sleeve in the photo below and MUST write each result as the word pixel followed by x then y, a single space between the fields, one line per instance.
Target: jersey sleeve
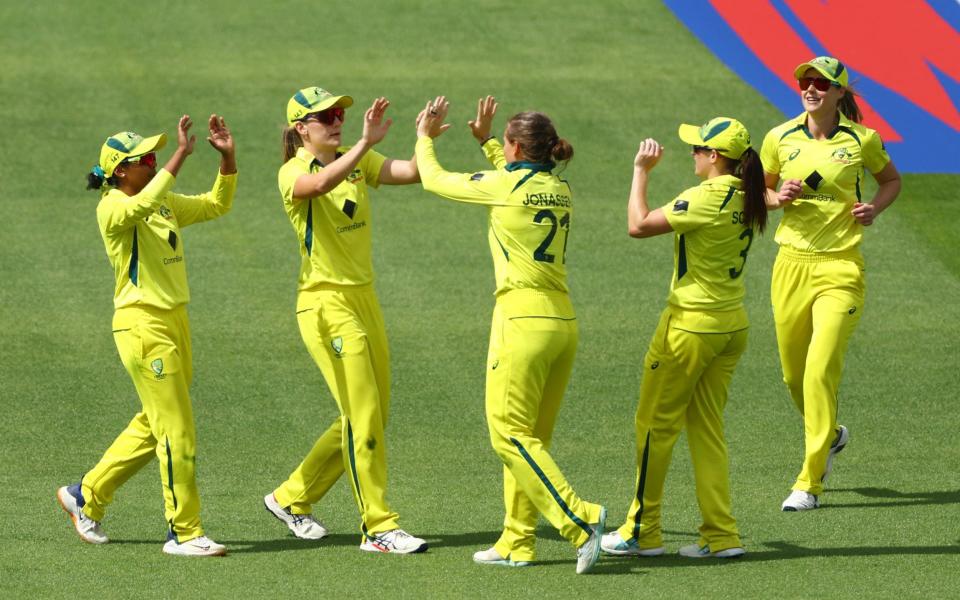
pixel 203 207
pixel 371 164
pixel 116 213
pixel 287 178
pixel 493 150
pixel 484 187
pixel 873 152
pixel 689 210
pixel 769 155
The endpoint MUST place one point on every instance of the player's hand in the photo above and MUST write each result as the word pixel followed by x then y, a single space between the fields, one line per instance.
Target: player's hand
pixel 430 120
pixel 185 141
pixel 220 137
pixel 486 109
pixel 789 191
pixel 374 126
pixel 648 155
pixel 864 213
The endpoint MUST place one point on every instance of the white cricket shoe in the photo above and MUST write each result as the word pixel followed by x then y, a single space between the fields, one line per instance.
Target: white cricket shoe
pixel 800 500
pixel 304 527
pixel 614 544
pixel 839 443
pixel 198 546
pixel 71 500
pixel 490 556
pixel 698 551
pixel 395 541
pixel 589 551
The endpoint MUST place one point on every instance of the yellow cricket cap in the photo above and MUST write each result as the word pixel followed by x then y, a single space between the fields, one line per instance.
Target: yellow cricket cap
pixel 827 66
pixel 725 135
pixel 312 100
pixel 126 144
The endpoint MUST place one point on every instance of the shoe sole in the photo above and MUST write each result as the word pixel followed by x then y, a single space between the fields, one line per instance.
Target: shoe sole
pixel 284 521
pixel 73 519
pixel 645 552
pixel 192 555
pixel 503 563
pixel 371 547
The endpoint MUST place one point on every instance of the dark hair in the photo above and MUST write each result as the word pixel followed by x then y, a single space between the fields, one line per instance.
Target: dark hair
pixel 537 138
pixel 750 170
pixel 291 142
pixel 95 182
pixel 848 106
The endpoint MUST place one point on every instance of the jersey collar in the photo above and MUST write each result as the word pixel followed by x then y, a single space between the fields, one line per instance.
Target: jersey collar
pixel 305 155
pixel 843 123
pixel 725 180
pixel 535 167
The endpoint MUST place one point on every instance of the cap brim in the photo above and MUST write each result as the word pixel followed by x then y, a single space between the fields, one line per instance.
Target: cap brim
pixel 800 70
pixel 341 101
pixel 148 145
pixel 690 134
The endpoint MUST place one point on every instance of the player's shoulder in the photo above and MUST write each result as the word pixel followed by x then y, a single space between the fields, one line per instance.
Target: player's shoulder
pixel 794 125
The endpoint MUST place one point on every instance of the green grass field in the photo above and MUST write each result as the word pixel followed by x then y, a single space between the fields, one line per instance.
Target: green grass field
pixel 609 73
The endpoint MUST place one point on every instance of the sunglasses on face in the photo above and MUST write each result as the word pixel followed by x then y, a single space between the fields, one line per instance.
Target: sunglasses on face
pixel 147 160
pixel 327 117
pixel 821 84
pixel 697 149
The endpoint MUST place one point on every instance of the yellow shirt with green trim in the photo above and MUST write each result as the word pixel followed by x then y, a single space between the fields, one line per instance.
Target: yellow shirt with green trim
pixel 832 173
pixel 333 230
pixel 142 236
pixel 711 243
pixel 530 210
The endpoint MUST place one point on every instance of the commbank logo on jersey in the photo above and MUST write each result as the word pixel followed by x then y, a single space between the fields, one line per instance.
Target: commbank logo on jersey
pixel 909 90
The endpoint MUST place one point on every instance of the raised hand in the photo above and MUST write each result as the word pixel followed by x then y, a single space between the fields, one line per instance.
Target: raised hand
pixel 430 120
pixel 648 155
pixel 185 141
pixel 486 109
pixel 220 137
pixel 374 126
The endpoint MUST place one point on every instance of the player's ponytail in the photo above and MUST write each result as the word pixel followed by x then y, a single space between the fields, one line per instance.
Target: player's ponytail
pixel 750 171
pixel 96 178
pixel 848 106
pixel 291 142
pixel 537 138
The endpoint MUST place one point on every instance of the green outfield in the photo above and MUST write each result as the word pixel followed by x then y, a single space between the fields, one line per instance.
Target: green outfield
pixel 609 73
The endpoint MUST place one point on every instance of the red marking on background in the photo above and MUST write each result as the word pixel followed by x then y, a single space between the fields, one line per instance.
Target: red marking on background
pixel 781 49
pixel 891 43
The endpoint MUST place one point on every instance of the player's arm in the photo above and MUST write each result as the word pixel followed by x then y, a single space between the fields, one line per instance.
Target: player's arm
pixel 481 188
pixel 375 128
pixel 219 200
pixel 399 172
pixel 641 221
pixel 889 183
pixel 481 127
pixel 119 214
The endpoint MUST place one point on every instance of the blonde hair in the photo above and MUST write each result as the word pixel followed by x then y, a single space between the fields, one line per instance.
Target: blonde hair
pixel 291 142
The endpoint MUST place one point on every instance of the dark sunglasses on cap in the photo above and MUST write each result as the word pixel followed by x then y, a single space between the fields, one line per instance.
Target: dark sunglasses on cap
pixel 821 84
pixel 148 160
pixel 327 117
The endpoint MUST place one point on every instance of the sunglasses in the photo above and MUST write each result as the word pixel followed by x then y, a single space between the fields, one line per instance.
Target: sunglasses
pixel 148 160
pixel 821 84
pixel 697 149
pixel 327 117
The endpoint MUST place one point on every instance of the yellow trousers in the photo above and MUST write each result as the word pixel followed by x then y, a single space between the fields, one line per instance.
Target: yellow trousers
pixel 154 347
pixel 343 330
pixel 533 342
pixel 685 381
pixel 817 303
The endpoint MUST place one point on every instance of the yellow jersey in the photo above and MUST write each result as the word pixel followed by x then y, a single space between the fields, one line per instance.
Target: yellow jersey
pixel 142 236
pixel 711 242
pixel 530 213
pixel 832 173
pixel 333 230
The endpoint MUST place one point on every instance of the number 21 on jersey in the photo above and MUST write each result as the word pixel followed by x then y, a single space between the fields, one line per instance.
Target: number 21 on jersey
pixel 548 216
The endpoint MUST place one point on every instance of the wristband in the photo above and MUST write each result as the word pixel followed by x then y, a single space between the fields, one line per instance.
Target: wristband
pixel 487 139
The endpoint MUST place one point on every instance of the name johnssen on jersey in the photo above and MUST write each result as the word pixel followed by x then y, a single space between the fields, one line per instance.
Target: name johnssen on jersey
pixel 547 199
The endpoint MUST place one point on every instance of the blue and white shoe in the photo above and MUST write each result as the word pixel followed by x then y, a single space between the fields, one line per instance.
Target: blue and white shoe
pixel 198 546
pixel 614 545
pixel 589 551
pixel 490 556
pixel 304 527
pixel 395 541
pixel 71 501
pixel 698 551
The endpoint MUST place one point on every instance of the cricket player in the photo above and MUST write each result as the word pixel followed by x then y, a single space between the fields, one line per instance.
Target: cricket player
pixel 700 336
pixel 533 337
pixel 818 286
pixel 140 221
pixel 324 189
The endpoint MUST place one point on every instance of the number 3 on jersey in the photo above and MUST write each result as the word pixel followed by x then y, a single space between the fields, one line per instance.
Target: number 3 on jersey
pixel 748 234
pixel 541 254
